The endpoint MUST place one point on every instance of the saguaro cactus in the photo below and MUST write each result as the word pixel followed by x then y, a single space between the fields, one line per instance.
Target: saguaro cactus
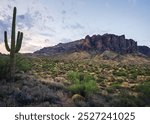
pixel 15 45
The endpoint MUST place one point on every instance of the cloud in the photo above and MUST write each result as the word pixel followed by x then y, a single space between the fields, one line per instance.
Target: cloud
pixel 74 26
pixel 77 26
pixel 2 48
pixel 64 40
pixel 33 22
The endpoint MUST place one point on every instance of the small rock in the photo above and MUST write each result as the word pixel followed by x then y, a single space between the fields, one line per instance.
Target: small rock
pixel 125 84
pixel 21 72
pixel 46 80
pixel 77 97
pixel 111 79
pixel 104 92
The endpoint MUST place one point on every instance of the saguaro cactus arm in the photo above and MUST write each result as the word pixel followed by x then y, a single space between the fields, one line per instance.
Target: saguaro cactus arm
pixel 19 42
pixel 6 41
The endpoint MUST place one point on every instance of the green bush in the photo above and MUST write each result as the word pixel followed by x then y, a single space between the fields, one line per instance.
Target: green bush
pixel 104 66
pixel 119 73
pixel 83 84
pixel 144 89
pixel 116 85
pixel 133 76
pixel 23 63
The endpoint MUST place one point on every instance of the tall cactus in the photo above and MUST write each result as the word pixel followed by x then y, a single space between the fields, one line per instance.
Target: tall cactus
pixel 15 45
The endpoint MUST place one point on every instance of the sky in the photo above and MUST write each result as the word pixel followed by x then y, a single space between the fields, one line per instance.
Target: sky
pixel 49 22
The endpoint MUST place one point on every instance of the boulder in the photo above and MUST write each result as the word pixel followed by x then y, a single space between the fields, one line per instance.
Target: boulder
pixel 77 97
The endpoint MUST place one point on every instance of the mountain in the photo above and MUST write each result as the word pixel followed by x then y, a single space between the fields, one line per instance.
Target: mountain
pixel 97 44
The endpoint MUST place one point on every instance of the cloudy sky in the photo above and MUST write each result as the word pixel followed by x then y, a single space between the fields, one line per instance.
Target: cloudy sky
pixel 49 22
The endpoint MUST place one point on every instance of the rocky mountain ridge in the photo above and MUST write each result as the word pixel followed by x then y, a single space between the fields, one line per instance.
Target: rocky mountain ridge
pixel 144 50
pixel 97 44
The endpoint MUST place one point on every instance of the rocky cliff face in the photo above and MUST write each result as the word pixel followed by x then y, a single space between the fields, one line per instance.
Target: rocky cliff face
pixel 96 43
pixel 144 50
pixel 109 42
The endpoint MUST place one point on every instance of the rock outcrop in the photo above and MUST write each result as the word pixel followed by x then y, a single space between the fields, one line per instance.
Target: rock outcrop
pixel 144 50
pixel 109 42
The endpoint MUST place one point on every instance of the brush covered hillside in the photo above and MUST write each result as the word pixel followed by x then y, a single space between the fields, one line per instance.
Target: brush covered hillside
pixel 102 70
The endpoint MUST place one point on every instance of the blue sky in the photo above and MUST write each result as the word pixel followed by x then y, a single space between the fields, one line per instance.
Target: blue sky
pixel 49 22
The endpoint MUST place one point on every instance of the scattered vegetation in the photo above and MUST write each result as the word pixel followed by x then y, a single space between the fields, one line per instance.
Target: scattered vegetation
pixel 49 82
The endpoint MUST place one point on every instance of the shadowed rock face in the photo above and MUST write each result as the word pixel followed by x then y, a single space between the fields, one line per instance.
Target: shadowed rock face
pixel 109 42
pixel 144 50
pixel 96 44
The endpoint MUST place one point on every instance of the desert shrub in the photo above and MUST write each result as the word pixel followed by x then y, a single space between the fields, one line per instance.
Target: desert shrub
pixel 104 66
pixel 116 85
pixel 23 63
pixel 83 84
pixel 124 102
pixel 141 70
pixel 48 65
pixel 133 76
pixel 4 67
pixel 100 79
pixel 144 89
pixel 120 73
pixel 133 73
pixel 110 89
pixel 144 71
pixel 124 99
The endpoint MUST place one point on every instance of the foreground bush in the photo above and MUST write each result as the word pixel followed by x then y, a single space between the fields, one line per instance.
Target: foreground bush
pixel 4 67
pixel 144 90
pixel 83 84
pixel 22 64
